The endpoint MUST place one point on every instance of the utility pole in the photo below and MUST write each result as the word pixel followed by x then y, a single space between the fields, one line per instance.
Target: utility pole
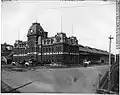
pixel 18 47
pixel 109 62
pixel 72 29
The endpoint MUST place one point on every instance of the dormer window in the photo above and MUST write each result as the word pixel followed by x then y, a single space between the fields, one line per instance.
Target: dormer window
pixel 44 42
pixel 58 38
pixel 52 40
pixel 48 41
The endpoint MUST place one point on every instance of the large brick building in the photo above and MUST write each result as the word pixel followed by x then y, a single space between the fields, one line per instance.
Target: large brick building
pixel 59 48
pixel 40 47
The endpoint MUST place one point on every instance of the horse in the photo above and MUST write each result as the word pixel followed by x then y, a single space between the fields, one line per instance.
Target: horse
pixel 14 63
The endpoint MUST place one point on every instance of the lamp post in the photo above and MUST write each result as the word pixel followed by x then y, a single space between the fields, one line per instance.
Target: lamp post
pixel 110 38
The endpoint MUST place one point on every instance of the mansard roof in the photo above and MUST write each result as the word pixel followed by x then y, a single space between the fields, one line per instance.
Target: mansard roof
pixel 35 29
pixel 92 50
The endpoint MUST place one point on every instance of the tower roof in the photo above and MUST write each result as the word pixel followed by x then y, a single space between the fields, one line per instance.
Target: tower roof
pixel 35 29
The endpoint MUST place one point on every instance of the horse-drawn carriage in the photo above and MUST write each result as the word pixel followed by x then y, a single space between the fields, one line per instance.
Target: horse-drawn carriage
pixel 24 63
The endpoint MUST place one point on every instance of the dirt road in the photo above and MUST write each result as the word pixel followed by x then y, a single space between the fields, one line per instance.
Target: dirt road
pixel 83 80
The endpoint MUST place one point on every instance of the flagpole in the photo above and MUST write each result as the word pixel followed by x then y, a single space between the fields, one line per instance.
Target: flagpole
pixel 18 47
pixel 61 23
pixel 72 29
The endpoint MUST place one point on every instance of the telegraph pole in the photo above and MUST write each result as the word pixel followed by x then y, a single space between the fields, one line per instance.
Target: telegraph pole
pixel 110 38
pixel 72 29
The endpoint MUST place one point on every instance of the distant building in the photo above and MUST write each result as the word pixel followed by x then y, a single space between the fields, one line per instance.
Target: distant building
pixel 40 47
pixel 6 49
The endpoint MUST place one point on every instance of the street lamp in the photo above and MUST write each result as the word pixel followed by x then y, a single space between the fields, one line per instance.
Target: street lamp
pixel 110 38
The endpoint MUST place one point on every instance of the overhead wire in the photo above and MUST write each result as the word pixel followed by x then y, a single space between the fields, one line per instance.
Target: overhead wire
pixel 84 6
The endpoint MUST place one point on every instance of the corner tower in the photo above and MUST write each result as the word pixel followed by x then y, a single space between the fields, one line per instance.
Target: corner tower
pixel 34 32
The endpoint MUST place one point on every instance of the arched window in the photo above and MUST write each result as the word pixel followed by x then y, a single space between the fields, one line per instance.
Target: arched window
pixel 49 49
pixel 46 49
pixel 52 40
pixel 52 49
pixel 58 38
pixel 39 40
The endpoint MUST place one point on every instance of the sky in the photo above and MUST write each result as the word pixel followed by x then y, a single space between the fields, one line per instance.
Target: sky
pixel 93 21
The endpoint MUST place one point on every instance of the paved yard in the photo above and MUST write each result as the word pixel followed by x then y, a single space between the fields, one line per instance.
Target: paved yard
pixel 83 80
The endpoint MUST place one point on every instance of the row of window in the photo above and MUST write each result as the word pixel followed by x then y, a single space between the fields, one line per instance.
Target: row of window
pixel 71 58
pixel 59 59
pixel 20 51
pixel 44 49
pixel 52 49
pixel 71 49
pixel 50 41
pixel 47 49
pixel 52 60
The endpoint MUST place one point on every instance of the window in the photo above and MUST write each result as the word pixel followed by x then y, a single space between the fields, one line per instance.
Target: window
pixel 60 59
pixel 43 49
pixel 56 48
pixel 64 57
pixel 52 60
pixel 46 49
pixel 44 42
pixel 58 38
pixel 49 49
pixel 57 60
pixel 52 41
pixel 48 41
pixel 52 49
pixel 60 48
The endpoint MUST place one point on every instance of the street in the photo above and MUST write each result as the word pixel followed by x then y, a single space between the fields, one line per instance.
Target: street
pixel 83 80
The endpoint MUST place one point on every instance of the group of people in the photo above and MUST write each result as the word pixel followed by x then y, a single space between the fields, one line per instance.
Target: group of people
pixel 91 62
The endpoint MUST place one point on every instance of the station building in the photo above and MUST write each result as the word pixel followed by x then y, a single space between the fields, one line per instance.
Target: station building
pixel 40 47
pixel 58 49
